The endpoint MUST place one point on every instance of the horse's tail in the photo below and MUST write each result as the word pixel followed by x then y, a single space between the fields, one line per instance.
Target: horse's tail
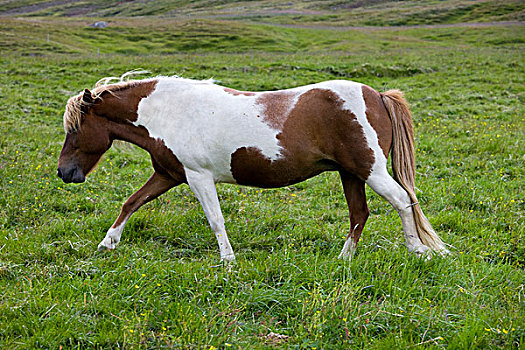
pixel 404 163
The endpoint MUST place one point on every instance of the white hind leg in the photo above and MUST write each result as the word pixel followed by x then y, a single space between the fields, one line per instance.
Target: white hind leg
pixel 382 183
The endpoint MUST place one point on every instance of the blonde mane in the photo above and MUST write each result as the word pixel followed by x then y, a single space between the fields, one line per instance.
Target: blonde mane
pixel 73 114
pixel 74 106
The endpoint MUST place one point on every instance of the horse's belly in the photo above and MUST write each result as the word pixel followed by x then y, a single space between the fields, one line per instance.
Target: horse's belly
pixel 249 167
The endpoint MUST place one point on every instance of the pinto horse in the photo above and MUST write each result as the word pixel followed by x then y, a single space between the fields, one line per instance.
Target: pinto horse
pixel 201 134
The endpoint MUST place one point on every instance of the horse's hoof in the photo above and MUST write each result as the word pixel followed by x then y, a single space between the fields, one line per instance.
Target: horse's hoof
pixel 106 245
pixel 102 248
pixel 421 251
pixel 443 252
pixel 230 258
pixel 346 255
pixel 348 250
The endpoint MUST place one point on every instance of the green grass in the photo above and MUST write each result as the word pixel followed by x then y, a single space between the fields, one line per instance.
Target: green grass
pixel 164 287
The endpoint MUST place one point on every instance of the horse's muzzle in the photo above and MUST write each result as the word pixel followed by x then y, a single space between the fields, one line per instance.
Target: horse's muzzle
pixel 71 175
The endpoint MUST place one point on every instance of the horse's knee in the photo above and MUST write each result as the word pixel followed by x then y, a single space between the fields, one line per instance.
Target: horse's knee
pixel 129 205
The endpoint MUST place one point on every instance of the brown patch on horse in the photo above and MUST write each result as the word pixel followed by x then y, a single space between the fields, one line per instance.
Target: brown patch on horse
pixel 317 135
pixel 165 162
pixel 238 93
pixel 276 106
pixel 378 117
pixel 250 167
pixel 121 102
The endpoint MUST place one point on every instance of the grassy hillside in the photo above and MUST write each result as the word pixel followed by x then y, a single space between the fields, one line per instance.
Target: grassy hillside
pixel 164 287
pixel 332 12
pixel 44 36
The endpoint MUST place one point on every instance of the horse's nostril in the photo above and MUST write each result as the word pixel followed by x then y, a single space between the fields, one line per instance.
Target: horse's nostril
pixel 59 173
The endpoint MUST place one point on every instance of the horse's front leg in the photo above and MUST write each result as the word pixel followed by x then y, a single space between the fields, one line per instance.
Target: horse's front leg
pixel 203 185
pixel 154 187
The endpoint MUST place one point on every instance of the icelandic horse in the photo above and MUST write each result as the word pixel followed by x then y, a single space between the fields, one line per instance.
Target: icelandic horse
pixel 201 134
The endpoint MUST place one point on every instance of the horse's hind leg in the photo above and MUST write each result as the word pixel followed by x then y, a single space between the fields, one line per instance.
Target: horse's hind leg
pixel 382 183
pixel 154 187
pixel 355 195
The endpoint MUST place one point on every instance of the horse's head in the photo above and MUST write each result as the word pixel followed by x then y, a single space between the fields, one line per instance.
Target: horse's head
pixel 87 139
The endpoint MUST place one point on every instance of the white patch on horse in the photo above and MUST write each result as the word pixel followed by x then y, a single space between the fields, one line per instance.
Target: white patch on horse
pixel 203 125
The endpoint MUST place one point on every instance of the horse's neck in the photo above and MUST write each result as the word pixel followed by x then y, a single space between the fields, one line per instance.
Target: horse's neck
pixel 120 108
pixel 131 133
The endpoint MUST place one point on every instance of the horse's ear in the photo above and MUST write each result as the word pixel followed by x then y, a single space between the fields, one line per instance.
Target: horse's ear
pixel 87 97
pixel 87 101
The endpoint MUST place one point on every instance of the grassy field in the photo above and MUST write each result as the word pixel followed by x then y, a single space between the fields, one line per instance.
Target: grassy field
pixel 164 287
